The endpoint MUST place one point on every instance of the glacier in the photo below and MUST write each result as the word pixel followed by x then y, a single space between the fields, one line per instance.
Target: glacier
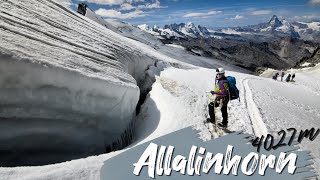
pixel 69 87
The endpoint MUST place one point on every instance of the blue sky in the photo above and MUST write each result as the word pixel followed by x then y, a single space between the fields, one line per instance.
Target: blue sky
pixel 210 13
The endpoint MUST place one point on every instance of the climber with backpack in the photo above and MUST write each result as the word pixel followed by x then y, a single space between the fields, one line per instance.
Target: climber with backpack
pixel 225 90
pixel 275 76
pixel 288 78
pixel 282 75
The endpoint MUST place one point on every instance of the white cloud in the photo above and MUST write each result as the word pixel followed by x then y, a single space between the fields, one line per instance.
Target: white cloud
pixel 135 11
pixel 111 13
pixel 310 17
pixel 203 14
pixel 108 2
pixel 237 17
pixel 126 7
pixel 113 2
pixel 314 2
pixel 261 12
pixel 66 3
pixel 154 5
pixel 306 17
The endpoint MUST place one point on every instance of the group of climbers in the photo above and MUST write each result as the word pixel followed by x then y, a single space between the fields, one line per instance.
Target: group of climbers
pixel 289 78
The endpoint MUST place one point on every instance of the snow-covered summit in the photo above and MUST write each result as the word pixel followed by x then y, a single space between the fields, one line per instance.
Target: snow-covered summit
pixel 190 25
pixel 286 27
pixel 276 26
pixel 275 22
pixel 144 27
pixel 182 30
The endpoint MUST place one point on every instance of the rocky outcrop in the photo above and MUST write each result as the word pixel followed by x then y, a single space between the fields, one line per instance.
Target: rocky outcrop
pixel 309 61
pixel 249 53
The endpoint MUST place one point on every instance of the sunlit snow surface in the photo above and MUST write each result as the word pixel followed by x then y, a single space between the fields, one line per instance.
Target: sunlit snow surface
pixel 84 66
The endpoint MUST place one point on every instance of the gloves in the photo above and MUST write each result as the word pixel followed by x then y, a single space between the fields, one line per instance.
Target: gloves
pixel 212 92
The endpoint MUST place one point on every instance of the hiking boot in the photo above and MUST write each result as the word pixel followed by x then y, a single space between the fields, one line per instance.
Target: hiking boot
pixel 223 125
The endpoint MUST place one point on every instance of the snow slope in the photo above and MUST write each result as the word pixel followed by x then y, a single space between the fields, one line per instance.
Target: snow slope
pixel 136 33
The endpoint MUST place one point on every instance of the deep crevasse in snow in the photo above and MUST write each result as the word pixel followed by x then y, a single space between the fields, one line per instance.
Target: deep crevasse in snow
pixel 67 84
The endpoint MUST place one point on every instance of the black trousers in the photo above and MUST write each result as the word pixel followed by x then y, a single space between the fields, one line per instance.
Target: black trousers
pixel 224 111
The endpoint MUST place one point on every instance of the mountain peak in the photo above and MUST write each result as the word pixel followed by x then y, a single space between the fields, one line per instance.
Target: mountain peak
pixel 155 28
pixel 143 26
pixel 274 17
pixel 275 22
pixel 190 24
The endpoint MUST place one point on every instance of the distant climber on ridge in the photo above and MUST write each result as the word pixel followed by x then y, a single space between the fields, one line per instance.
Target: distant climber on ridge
pixel 282 75
pixel 82 8
pixel 293 76
pixel 288 78
pixel 275 76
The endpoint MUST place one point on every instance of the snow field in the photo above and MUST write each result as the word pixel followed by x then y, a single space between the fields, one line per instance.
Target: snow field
pixel 266 106
pixel 185 98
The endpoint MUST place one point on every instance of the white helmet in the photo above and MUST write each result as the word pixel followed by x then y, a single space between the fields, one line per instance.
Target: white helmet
pixel 220 71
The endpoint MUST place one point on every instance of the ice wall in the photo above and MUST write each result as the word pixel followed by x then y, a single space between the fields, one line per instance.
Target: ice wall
pixel 68 86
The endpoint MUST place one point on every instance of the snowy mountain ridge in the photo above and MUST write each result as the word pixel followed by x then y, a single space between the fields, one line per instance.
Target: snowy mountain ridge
pixel 182 30
pixel 309 31
pixel 275 27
